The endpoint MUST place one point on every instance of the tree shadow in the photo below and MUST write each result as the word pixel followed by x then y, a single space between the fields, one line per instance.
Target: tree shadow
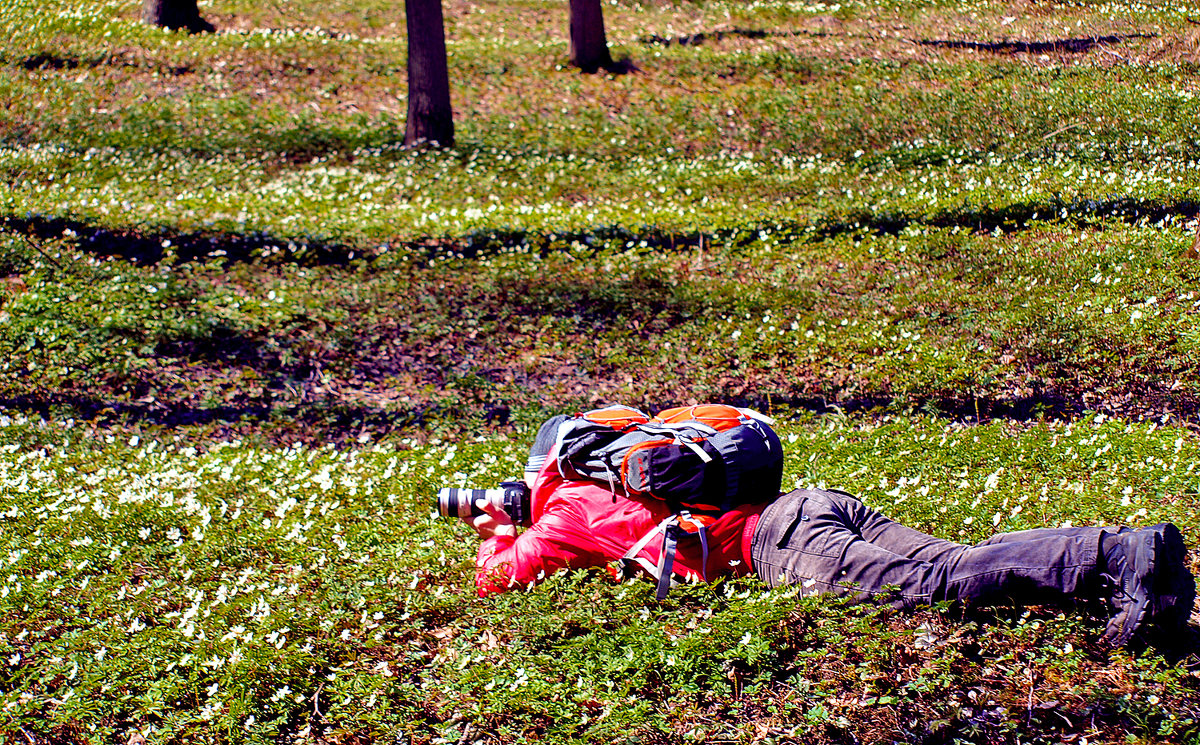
pixel 623 66
pixel 695 40
pixel 1057 46
pixel 55 61
pixel 50 62
pixel 150 247
pixel 1013 217
pixel 1007 218
pixel 317 422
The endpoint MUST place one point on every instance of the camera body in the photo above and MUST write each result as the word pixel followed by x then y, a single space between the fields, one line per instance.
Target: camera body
pixel 513 497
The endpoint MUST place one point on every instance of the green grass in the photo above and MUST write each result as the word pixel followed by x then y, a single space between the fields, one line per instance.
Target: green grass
pixel 244 336
pixel 250 591
pixel 1098 315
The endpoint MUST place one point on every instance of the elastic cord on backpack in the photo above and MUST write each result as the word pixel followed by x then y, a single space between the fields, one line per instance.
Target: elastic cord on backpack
pixel 670 529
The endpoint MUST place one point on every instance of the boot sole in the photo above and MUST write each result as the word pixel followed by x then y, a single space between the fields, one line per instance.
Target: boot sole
pixel 1175 588
pixel 1138 597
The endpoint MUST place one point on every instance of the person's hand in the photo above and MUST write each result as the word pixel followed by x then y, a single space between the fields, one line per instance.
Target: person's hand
pixel 493 521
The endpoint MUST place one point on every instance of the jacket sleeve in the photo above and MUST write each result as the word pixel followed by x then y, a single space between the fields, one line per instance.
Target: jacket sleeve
pixel 560 538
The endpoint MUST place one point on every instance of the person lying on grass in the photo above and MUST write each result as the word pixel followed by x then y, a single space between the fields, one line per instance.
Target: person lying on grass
pixel 829 541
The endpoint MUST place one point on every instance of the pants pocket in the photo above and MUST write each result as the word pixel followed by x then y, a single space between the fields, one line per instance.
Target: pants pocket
pixel 814 529
pixel 796 522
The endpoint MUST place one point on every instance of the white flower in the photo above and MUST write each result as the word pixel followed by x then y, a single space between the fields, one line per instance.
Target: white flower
pixel 925 637
pixel 992 480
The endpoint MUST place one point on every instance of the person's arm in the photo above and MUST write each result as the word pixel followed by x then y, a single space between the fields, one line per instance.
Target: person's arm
pixel 506 561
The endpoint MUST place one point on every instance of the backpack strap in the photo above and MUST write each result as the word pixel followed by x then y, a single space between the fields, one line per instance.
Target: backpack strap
pixel 631 556
pixel 670 529
pixel 702 532
pixel 680 437
pixel 666 560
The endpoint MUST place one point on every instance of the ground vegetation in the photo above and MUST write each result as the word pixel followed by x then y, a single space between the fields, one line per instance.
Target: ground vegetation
pixel 245 334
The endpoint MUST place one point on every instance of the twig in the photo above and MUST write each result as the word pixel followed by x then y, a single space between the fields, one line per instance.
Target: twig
pixel 1109 51
pixel 39 249
pixel 28 736
pixel 315 700
pixel 1029 700
pixel 468 730
pixel 1060 130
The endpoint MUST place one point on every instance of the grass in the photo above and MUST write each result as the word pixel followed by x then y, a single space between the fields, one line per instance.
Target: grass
pixel 255 591
pixel 953 318
pixel 244 336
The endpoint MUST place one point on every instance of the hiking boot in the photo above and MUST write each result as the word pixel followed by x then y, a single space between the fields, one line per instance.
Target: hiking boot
pixel 1174 586
pixel 1130 564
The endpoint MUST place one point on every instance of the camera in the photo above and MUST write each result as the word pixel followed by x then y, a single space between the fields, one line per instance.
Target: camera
pixel 511 496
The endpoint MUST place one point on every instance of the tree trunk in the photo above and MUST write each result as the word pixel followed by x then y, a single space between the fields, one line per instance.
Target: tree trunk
pixel 589 47
pixel 175 14
pixel 430 118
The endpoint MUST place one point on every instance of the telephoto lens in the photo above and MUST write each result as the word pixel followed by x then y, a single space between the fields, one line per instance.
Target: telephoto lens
pixel 511 496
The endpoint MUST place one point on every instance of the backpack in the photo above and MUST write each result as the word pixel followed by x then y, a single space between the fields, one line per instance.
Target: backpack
pixel 702 461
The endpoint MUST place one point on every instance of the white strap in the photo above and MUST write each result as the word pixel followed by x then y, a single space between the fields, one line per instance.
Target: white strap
pixel 769 421
pixel 685 424
pixel 632 554
pixel 679 437
pixel 666 558
pixel 695 446
pixel 612 479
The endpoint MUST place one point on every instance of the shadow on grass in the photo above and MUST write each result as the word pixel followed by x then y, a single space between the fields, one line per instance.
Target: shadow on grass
pixel 147 247
pixel 1013 217
pixel 1008 218
pixel 55 61
pixel 337 422
pixel 623 66
pixel 143 247
pixel 52 62
pixel 695 40
pixel 1057 46
pixel 316 422
pixel 1080 45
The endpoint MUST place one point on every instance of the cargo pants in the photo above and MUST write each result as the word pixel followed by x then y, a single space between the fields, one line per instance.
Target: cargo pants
pixel 827 541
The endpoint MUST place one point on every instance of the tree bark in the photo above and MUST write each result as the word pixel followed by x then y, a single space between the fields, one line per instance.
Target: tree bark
pixel 589 46
pixel 430 118
pixel 175 14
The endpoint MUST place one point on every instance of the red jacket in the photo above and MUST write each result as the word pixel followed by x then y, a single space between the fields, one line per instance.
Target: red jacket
pixel 577 524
